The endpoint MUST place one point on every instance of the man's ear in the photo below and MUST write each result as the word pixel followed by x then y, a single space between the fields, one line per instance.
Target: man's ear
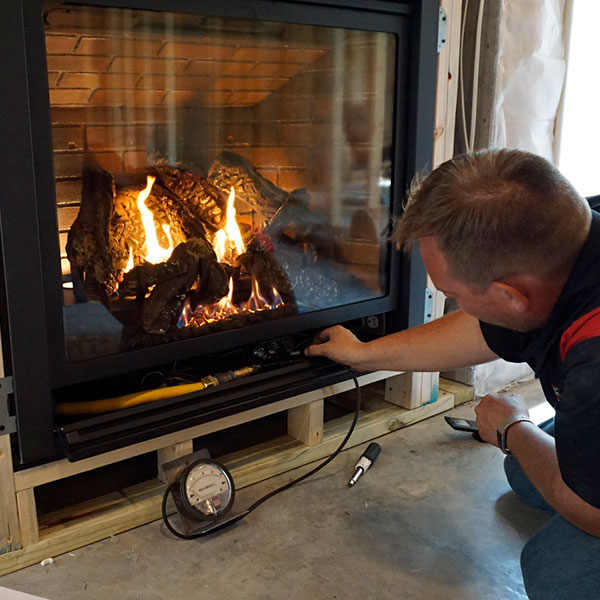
pixel 516 297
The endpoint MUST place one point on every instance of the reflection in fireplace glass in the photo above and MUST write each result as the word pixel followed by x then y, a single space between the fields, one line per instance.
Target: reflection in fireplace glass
pixel 213 173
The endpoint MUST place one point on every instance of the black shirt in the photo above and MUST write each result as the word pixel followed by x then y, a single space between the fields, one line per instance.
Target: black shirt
pixel 565 355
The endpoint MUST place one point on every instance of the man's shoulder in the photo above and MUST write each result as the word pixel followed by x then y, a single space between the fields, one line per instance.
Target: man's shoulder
pixel 508 344
pixel 586 327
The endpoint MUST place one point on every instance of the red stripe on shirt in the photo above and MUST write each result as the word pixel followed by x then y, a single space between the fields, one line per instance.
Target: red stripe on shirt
pixel 584 328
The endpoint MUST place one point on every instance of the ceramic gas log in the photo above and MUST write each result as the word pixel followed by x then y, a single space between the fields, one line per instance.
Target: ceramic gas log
pixel 171 258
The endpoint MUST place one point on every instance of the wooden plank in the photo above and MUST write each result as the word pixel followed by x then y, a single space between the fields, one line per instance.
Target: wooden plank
pixel 142 503
pixel 402 390
pixel 453 8
pixel 423 387
pixel 369 395
pixel 10 535
pixel 92 529
pixel 67 516
pixel 106 506
pixel 440 132
pixel 60 469
pixel 411 390
pixel 447 85
pixel 462 392
pixel 278 456
pixel 165 455
pixel 305 423
pixel 28 520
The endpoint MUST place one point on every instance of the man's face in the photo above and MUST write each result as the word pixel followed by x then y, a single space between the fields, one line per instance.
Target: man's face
pixel 484 304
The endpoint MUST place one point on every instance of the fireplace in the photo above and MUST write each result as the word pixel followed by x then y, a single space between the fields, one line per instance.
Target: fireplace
pixel 195 188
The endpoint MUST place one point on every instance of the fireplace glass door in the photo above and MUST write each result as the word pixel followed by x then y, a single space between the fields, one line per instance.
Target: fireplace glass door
pixel 214 173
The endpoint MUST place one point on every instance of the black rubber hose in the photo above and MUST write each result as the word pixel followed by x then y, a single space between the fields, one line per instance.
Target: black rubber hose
pixel 229 521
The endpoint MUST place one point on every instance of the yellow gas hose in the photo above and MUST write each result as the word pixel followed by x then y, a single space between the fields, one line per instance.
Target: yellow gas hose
pixel 128 400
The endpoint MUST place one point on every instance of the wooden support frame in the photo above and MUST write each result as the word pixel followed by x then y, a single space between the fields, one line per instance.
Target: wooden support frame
pixel 411 390
pixel 165 455
pixel 305 423
pixel 28 520
pixel 447 85
pixel 35 537
pixel 10 535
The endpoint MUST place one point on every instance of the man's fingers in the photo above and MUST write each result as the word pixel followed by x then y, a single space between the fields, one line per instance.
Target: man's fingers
pixel 323 336
pixel 314 350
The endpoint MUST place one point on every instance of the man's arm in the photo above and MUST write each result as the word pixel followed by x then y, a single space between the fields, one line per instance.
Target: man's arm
pixel 536 453
pixel 451 342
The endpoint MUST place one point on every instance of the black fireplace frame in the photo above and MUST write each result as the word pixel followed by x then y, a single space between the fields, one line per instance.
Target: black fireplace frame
pixel 32 325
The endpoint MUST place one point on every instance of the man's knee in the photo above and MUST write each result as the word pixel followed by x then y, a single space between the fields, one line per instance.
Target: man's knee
pixel 534 565
pixel 517 479
pixel 520 484
pixel 513 471
pixel 560 562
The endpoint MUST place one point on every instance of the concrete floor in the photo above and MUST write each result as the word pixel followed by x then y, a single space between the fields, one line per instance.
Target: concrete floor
pixel 434 518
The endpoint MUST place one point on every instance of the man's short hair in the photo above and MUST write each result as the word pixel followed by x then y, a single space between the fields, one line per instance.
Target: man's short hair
pixel 496 213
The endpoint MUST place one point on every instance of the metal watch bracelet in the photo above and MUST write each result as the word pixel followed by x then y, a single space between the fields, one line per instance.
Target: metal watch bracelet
pixel 503 428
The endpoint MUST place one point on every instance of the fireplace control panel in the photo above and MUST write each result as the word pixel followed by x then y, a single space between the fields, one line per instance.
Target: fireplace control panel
pixel 284 349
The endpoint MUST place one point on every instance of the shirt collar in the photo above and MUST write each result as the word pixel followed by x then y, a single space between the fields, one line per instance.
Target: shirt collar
pixel 580 292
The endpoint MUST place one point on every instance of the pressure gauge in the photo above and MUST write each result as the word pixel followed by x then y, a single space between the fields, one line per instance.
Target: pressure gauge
pixel 205 492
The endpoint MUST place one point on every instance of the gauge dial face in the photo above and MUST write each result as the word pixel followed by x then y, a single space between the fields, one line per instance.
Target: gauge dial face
pixel 208 489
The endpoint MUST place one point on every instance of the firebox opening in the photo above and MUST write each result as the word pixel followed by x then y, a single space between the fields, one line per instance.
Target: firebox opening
pixel 278 369
pixel 265 357
pixel 214 173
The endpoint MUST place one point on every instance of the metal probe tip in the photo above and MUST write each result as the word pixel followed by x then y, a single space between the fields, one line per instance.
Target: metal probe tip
pixel 366 460
pixel 359 471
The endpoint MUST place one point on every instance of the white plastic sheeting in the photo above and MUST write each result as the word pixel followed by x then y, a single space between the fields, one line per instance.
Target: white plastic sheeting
pixel 498 374
pixel 531 75
pixel 532 69
pixel 580 128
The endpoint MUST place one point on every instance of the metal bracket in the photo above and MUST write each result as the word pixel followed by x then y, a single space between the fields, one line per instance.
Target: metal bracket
pixel 428 308
pixel 442 30
pixel 8 424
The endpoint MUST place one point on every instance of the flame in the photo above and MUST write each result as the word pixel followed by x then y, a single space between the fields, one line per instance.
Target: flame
pixel 256 301
pixel 228 242
pixel 220 245
pixel 129 262
pixel 155 253
pixel 231 227
pixel 220 310
pixel 277 299
pixel 186 314
pixel 224 308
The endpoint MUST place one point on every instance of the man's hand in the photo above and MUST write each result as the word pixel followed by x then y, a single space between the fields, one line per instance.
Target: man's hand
pixel 452 341
pixel 338 344
pixel 495 408
pixel 536 452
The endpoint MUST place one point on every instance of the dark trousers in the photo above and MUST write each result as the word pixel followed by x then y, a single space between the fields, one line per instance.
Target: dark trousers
pixel 560 562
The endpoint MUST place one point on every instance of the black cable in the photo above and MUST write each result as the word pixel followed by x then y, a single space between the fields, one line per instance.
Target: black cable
pixel 326 461
pixel 226 522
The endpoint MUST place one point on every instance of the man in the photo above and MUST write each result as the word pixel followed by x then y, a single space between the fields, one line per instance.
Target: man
pixel 503 233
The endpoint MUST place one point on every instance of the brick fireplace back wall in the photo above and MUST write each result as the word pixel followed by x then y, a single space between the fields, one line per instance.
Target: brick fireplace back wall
pixel 287 134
